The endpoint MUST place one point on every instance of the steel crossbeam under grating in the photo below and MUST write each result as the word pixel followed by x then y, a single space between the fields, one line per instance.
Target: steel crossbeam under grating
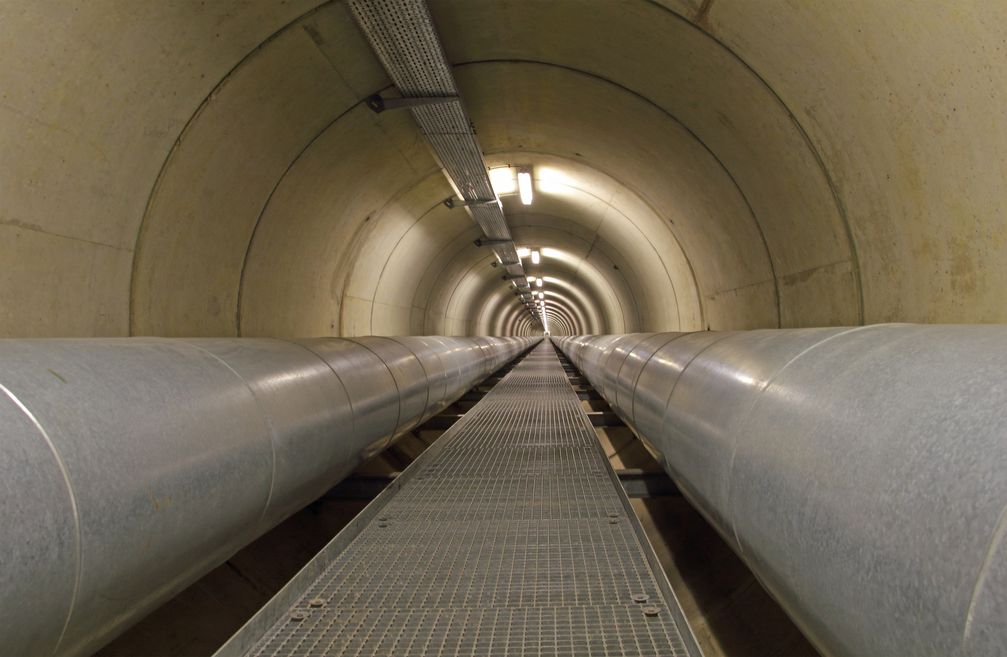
pixel 403 37
pixel 510 536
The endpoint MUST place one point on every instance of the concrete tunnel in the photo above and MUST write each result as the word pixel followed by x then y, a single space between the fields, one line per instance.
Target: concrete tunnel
pixel 213 170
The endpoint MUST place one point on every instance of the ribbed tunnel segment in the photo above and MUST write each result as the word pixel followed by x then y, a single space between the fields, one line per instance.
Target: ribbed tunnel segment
pixel 510 536
pixel 217 170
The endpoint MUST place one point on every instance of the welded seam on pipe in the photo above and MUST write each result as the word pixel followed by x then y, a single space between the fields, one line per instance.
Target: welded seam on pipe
pixel 398 392
pixel 346 391
pixel 426 375
pixel 273 435
pixel 977 590
pixel 643 368
pixel 751 407
pixel 622 365
pixel 78 541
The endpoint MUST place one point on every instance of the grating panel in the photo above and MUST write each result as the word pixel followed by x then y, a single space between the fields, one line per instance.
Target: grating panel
pixel 509 537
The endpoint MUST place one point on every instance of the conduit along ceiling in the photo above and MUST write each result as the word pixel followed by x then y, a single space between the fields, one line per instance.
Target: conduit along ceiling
pixel 213 169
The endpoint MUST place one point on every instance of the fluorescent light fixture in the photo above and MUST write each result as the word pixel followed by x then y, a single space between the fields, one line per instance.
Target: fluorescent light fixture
pixel 541 295
pixel 531 279
pixel 523 252
pixel 536 257
pixel 503 180
pixel 538 282
pixel 524 186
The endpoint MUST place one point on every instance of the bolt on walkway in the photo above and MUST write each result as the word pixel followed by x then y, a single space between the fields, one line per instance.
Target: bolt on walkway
pixel 511 535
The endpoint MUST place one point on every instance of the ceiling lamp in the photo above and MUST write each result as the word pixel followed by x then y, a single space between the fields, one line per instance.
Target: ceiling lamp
pixel 524 186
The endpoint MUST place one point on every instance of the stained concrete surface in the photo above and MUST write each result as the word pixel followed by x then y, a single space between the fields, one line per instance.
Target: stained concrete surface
pixel 210 169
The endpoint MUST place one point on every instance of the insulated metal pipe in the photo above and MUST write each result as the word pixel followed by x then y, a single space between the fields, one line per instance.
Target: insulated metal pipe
pixel 860 472
pixel 130 467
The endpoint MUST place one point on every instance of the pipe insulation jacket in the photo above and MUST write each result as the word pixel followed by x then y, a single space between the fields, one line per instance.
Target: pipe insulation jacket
pixel 861 473
pixel 131 467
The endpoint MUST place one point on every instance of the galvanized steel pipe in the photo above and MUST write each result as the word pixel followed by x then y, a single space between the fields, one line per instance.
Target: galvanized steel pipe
pixel 860 472
pixel 130 467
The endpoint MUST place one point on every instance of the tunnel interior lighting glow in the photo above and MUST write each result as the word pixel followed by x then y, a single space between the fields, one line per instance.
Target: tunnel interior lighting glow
pixel 552 253
pixel 523 252
pixel 538 282
pixel 541 295
pixel 524 186
pixel 503 180
pixel 550 180
pixel 536 257
pixel 531 279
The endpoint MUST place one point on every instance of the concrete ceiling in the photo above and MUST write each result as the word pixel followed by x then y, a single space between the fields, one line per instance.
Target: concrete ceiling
pixel 210 168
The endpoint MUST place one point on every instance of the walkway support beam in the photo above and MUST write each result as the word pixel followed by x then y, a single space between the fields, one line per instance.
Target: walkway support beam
pixel 861 473
pixel 130 467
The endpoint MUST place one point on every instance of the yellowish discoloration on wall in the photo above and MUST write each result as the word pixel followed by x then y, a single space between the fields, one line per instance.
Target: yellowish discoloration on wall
pixel 185 169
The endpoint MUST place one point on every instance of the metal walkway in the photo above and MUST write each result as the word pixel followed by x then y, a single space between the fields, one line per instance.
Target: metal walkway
pixel 511 535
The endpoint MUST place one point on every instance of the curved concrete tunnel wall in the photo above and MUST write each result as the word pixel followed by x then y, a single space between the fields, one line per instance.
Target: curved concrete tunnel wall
pixel 211 170
pixel 185 169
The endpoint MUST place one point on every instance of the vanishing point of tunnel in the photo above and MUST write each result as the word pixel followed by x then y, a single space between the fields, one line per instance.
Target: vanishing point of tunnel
pixel 503 327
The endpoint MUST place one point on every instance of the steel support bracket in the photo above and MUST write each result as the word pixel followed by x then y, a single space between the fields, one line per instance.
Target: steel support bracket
pixel 377 104
pixel 452 202
pixel 485 241
pixel 644 483
pixel 504 264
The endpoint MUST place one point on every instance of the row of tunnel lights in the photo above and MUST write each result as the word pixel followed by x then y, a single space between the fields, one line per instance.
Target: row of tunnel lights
pixel 504 182
pixel 537 281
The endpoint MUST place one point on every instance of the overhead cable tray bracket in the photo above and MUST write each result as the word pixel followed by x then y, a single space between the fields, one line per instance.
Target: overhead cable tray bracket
pixel 377 104
pixel 451 202
pixel 485 241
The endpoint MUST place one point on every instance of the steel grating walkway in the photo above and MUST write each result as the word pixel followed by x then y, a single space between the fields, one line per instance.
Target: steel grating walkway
pixel 511 535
